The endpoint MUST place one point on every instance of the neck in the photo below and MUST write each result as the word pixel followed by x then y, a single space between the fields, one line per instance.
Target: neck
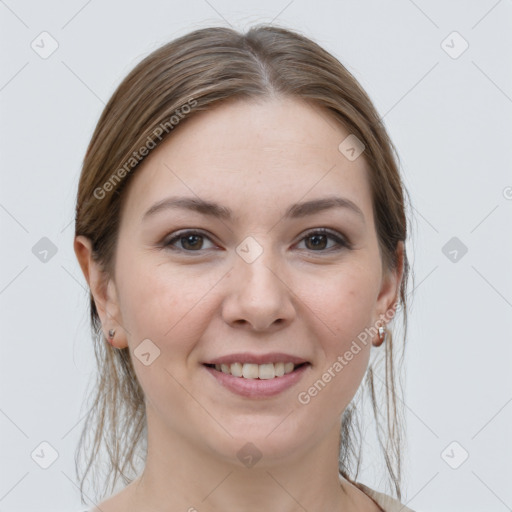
pixel 184 475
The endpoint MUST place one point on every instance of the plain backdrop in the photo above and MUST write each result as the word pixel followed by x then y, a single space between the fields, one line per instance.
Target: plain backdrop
pixel 438 72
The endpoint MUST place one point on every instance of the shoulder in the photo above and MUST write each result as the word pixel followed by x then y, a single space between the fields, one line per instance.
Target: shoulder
pixel 387 503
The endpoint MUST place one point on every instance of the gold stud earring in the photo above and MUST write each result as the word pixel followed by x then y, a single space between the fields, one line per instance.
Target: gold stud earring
pixel 111 334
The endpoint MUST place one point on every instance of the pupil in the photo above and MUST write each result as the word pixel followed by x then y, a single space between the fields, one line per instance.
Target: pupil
pixel 187 240
pixel 318 242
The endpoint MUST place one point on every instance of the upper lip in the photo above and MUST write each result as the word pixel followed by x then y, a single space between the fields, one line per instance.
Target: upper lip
pixel 246 357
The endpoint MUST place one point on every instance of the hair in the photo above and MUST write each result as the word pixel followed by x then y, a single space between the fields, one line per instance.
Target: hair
pixel 202 69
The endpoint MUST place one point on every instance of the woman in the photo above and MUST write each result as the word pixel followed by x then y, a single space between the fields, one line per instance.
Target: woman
pixel 241 224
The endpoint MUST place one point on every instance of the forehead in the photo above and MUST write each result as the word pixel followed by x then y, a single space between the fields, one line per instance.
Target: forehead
pixel 249 154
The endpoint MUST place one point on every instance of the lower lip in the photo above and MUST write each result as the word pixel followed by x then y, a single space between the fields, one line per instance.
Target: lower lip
pixel 258 388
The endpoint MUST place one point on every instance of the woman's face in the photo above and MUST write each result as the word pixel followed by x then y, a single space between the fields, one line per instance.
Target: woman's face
pixel 249 280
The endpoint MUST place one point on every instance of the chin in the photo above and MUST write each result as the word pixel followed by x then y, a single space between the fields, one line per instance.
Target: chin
pixel 258 441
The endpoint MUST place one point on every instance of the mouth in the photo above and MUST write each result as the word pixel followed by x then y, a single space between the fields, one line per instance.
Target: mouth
pixel 257 376
pixel 266 371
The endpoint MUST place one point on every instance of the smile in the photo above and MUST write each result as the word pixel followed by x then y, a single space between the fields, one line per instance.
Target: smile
pixel 257 381
pixel 256 371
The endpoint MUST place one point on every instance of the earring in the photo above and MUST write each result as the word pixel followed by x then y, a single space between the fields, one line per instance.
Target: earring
pixel 111 334
pixel 382 334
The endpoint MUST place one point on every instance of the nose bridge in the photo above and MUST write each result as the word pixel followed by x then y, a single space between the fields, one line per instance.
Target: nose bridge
pixel 255 263
pixel 258 294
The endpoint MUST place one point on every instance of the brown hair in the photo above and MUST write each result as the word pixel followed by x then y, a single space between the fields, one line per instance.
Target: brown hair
pixel 203 69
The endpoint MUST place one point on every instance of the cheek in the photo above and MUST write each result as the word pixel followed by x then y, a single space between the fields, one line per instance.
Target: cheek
pixel 168 306
pixel 346 304
pixel 163 303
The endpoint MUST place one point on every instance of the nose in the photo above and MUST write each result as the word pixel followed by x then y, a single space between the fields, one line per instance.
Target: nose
pixel 258 295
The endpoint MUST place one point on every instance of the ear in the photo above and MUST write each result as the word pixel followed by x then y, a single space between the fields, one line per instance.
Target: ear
pixel 389 292
pixel 103 290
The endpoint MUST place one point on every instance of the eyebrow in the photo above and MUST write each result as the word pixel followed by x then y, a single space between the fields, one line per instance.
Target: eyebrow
pixel 213 209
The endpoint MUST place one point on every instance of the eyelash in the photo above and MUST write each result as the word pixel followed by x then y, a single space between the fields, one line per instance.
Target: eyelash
pixel 340 241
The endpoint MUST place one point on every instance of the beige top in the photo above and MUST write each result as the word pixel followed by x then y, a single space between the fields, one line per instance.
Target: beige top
pixel 387 503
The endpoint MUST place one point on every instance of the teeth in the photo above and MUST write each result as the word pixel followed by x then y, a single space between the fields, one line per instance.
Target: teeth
pixel 266 371
pixel 236 369
pixel 255 371
pixel 250 371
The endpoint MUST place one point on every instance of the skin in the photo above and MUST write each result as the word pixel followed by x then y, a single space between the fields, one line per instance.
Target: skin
pixel 256 158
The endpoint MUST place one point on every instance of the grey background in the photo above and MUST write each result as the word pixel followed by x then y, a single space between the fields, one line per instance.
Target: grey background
pixel 450 120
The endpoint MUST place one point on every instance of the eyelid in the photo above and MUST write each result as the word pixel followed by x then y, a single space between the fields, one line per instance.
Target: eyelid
pixel 176 235
pixel 341 240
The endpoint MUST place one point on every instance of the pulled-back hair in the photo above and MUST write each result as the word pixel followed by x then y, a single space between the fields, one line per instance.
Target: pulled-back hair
pixel 193 73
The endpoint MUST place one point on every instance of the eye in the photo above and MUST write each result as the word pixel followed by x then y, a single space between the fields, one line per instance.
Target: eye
pixel 319 238
pixel 191 241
